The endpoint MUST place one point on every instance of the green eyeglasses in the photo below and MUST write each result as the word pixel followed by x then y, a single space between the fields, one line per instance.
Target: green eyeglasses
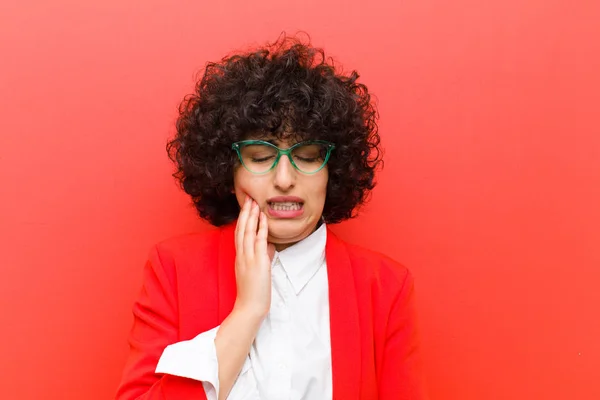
pixel 260 157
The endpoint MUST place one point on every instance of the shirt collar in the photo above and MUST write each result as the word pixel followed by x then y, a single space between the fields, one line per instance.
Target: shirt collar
pixel 302 260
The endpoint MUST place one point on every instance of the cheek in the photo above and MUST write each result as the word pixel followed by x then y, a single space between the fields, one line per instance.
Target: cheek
pixel 239 186
pixel 244 184
pixel 321 188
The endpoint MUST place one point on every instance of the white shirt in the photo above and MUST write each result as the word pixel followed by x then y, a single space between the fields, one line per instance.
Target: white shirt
pixel 290 358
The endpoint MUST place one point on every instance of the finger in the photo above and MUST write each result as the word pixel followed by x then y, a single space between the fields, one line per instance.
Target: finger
pixel 250 233
pixel 241 225
pixel 260 247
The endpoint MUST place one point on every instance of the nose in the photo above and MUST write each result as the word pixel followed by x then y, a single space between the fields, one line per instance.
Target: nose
pixel 285 174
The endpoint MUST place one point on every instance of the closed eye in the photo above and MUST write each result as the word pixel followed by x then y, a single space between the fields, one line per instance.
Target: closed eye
pixel 307 159
pixel 262 159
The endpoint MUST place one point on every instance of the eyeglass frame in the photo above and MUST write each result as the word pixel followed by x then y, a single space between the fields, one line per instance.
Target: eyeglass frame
pixel 288 152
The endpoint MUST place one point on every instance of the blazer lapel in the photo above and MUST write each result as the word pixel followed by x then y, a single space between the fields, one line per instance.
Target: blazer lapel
pixel 226 274
pixel 343 309
pixel 344 322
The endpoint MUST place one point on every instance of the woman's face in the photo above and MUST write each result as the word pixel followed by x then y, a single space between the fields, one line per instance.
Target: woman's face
pixel 292 201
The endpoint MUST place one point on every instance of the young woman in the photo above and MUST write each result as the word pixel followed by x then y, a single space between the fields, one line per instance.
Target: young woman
pixel 274 146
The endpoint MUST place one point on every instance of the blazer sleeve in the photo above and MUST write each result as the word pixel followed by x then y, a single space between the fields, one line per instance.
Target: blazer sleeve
pixel 402 377
pixel 155 327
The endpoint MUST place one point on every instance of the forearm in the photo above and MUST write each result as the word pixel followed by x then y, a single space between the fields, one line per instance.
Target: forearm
pixel 233 342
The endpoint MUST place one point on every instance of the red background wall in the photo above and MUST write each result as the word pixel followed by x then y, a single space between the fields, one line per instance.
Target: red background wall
pixel 491 191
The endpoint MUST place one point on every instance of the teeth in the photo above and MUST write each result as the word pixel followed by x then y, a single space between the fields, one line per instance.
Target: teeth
pixel 287 206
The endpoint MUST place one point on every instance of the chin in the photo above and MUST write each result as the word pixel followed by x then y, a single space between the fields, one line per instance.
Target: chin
pixel 284 232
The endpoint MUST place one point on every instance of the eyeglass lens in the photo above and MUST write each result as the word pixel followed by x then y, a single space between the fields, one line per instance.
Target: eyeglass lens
pixel 259 158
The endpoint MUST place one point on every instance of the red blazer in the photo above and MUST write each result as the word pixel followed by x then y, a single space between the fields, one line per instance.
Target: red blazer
pixel 189 287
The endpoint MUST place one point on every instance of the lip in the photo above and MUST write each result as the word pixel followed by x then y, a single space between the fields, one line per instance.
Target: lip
pixel 285 214
pixel 283 199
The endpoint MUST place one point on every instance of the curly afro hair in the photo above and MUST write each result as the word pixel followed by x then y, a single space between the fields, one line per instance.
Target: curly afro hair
pixel 284 89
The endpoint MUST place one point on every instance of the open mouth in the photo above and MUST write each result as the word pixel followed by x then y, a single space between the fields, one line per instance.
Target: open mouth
pixel 285 206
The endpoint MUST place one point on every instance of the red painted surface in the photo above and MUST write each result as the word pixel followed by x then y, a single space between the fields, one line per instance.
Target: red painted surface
pixel 489 118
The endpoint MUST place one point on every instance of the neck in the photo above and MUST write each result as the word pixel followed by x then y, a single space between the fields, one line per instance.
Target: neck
pixel 283 246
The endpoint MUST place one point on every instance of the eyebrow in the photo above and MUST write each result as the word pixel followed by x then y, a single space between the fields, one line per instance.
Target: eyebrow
pixel 265 138
pixel 272 141
pixel 269 138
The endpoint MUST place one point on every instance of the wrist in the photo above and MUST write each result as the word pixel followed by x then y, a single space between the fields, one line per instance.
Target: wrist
pixel 249 313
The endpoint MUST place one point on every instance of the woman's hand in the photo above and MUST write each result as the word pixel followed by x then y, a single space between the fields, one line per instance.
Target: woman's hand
pixel 253 278
pixel 253 261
